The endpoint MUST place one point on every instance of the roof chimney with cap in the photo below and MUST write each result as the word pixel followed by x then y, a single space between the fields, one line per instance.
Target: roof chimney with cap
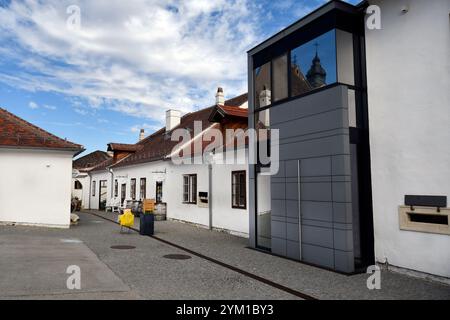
pixel 142 135
pixel 220 99
pixel 173 119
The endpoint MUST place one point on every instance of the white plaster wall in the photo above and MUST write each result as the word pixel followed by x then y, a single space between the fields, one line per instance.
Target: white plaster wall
pixel 35 187
pixel 224 216
pixel 152 171
pixel 176 209
pixel 82 194
pixel 97 176
pixel 408 71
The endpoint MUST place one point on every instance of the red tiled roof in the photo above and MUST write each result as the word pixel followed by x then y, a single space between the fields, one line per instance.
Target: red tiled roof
pixel 18 133
pixel 234 111
pixel 91 160
pixel 122 147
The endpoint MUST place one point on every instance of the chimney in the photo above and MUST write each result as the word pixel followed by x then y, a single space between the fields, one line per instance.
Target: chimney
pixel 173 118
pixel 220 99
pixel 142 135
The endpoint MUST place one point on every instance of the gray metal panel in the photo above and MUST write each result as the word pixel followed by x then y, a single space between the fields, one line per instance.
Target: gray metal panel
pixel 315 132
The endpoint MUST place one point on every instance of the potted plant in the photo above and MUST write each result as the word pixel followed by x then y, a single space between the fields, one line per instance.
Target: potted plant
pixel 147 223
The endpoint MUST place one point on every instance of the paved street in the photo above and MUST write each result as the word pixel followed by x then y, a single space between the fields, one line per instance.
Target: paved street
pixel 34 263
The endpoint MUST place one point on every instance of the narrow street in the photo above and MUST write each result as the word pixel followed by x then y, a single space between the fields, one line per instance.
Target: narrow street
pixel 214 266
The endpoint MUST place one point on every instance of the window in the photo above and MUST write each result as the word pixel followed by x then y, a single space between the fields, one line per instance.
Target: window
pixel 159 191
pixel 116 188
pixel 313 64
pixel 262 86
pixel 78 185
pixel 280 78
pixel 133 189
pixel 93 188
pixel 238 190
pixel 190 188
pixel 143 188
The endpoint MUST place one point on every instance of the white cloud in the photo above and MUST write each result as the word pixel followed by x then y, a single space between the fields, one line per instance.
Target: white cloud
pixel 49 107
pixel 33 105
pixel 137 57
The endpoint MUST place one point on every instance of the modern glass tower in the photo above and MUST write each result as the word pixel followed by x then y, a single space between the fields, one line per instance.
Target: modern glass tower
pixel 309 82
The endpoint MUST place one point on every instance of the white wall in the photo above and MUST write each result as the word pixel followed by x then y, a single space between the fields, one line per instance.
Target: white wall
pixel 82 194
pixel 97 177
pixel 35 187
pixel 224 216
pixel 408 68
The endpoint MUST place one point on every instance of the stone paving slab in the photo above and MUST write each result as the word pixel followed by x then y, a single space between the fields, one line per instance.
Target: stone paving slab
pixel 35 265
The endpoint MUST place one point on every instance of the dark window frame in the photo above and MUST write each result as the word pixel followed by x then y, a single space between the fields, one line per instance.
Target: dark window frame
pixel 94 187
pixel 239 193
pixel 133 189
pixel 78 185
pixel 143 188
pixel 192 189
pixel 116 188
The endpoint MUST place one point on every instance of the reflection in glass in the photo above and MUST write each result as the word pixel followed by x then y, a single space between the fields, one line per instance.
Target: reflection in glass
pixel 346 73
pixel 280 78
pixel 313 64
pixel 262 86
pixel 263 215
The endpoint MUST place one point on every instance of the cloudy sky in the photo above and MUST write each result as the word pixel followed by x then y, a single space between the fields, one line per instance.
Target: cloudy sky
pixel 129 61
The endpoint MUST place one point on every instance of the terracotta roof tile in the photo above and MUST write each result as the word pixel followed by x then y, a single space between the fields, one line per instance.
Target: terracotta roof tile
pixel 91 160
pixel 18 133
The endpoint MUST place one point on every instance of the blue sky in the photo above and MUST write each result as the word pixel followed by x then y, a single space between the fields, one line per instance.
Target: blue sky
pixel 129 61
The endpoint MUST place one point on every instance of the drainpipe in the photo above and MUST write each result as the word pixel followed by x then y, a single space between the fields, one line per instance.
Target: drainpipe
pixel 210 198
pixel 112 185
pixel 89 191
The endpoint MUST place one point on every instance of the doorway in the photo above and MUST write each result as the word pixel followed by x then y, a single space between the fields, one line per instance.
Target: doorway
pixel 103 190
pixel 159 191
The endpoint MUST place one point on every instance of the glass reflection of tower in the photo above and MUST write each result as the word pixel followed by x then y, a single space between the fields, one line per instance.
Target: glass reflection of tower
pixel 316 75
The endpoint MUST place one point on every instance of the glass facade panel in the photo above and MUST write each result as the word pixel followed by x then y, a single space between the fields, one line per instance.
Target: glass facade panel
pixel 313 64
pixel 280 78
pixel 264 211
pixel 346 71
pixel 263 86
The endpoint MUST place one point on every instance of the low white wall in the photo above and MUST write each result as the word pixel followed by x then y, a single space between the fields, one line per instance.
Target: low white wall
pixel 408 65
pixel 35 187
pixel 82 194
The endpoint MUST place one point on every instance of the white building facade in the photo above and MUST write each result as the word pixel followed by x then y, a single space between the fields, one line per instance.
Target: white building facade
pixel 201 194
pixel 36 170
pixel 408 80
